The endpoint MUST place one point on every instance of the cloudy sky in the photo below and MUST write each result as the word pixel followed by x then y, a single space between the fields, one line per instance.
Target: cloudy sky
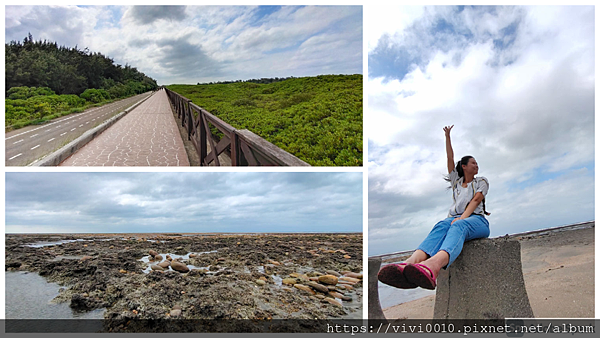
pixel 190 44
pixel 517 83
pixel 183 202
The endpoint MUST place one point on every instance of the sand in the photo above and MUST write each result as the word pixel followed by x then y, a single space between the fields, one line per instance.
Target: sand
pixel 558 269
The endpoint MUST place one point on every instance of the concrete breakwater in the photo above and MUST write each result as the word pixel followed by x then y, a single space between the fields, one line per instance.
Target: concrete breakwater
pixel 558 270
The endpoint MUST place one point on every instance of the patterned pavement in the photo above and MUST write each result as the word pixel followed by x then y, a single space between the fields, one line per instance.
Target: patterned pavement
pixel 146 136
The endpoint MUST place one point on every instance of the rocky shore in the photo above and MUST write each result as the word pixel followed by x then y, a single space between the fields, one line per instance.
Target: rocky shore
pixel 198 277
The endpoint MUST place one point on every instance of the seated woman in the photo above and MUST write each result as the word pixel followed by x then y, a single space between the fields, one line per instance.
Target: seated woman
pixel 466 221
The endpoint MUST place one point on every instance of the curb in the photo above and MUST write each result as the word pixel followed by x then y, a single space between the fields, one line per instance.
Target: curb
pixel 63 153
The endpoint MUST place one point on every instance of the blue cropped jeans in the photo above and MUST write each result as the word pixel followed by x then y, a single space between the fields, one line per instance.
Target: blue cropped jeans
pixel 451 237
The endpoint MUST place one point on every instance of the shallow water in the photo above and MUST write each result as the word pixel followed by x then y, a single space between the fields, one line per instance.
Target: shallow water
pixel 28 296
pixel 390 296
pixel 43 244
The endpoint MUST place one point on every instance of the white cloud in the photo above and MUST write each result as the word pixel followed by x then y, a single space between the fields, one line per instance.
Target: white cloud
pixel 204 43
pixel 526 112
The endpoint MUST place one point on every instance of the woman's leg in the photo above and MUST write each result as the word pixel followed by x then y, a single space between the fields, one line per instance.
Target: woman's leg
pixel 462 231
pixel 432 243
pixel 459 232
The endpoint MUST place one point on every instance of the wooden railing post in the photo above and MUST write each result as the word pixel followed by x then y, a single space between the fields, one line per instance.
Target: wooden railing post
pixel 202 128
pixel 188 110
pixel 235 149
pixel 180 113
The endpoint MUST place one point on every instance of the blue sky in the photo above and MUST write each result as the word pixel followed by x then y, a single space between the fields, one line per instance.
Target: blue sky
pixel 183 202
pixel 518 85
pixel 190 44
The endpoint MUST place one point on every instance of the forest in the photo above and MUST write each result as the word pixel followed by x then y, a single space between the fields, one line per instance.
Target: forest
pixel 44 81
pixel 318 119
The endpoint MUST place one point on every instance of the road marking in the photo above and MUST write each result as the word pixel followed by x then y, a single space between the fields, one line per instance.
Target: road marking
pixel 15 156
pixel 33 135
pixel 35 147
pixel 51 139
pixel 53 123
pixel 81 125
pixel 73 129
pixel 87 122
pixel 59 126
pixel 21 140
pixel 62 134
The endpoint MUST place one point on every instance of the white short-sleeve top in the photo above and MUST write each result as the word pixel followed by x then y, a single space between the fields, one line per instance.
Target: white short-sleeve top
pixel 462 196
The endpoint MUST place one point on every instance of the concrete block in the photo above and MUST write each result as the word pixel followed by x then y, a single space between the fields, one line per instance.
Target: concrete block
pixel 374 309
pixel 484 282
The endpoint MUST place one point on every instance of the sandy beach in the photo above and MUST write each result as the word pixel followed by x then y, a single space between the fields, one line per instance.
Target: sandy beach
pixel 559 277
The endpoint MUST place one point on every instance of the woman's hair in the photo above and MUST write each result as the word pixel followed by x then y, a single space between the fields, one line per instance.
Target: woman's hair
pixel 463 161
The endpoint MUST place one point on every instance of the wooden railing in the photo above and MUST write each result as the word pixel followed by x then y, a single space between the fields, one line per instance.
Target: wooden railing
pixel 243 146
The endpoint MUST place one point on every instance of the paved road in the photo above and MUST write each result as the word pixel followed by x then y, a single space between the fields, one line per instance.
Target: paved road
pixel 26 145
pixel 146 136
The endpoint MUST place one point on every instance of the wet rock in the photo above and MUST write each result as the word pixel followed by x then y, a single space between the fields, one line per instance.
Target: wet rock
pixel 336 294
pixel 347 256
pixel 111 247
pixel 191 256
pixel 334 273
pixel 354 275
pixel 153 253
pixel 170 259
pixel 314 274
pixel 304 288
pixel 318 287
pixel 197 272
pixel 164 264
pixel 158 258
pixel 274 262
pixel 221 259
pixel 178 266
pixel 179 248
pixel 157 267
pixel 294 275
pixel 350 279
pixel 13 264
pixel 123 271
pixel 328 279
pixel 176 311
pixel 333 302
pixel 290 281
pixel 346 298
pixel 304 278
pixel 314 279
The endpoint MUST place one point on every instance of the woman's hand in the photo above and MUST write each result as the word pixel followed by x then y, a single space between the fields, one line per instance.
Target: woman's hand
pixel 447 130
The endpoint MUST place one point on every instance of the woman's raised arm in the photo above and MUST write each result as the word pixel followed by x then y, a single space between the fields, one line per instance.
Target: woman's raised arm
pixel 449 151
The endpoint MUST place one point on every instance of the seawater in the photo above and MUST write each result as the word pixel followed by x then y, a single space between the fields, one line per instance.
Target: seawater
pixel 390 296
pixel 28 296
